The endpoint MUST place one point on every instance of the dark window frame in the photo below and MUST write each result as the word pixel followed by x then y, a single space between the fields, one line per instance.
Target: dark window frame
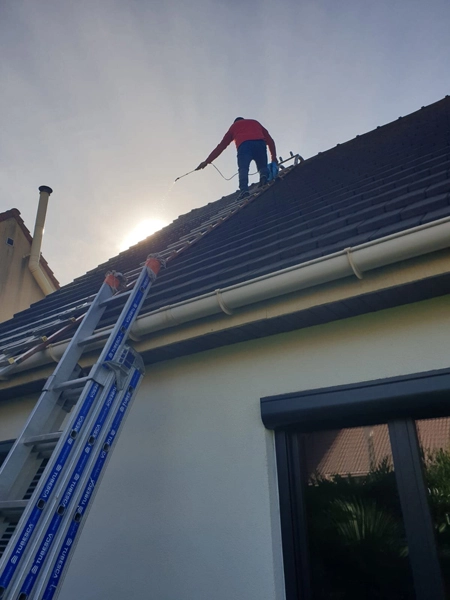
pixel 396 401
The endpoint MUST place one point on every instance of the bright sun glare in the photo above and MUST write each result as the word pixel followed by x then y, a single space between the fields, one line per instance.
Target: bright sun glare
pixel 141 231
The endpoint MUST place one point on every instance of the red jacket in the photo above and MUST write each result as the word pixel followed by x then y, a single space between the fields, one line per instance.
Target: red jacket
pixel 242 131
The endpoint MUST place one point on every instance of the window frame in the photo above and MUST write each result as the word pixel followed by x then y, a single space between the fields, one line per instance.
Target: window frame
pixel 396 401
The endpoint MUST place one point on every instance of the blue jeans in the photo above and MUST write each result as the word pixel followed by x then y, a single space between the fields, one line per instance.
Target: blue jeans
pixel 248 151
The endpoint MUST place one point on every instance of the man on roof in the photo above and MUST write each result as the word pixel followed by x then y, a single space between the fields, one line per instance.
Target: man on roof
pixel 251 139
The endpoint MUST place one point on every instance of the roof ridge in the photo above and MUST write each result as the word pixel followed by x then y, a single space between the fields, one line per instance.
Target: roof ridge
pixel 359 137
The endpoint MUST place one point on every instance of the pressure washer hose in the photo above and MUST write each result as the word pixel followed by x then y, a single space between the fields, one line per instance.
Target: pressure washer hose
pixel 223 176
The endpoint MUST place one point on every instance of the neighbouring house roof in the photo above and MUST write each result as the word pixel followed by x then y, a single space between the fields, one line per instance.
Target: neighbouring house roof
pixel 14 213
pixel 388 180
pixel 358 450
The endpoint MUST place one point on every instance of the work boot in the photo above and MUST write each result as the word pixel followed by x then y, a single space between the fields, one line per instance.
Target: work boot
pixel 262 181
pixel 243 194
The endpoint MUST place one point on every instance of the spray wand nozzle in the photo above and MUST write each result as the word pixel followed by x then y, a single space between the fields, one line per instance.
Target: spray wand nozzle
pixel 181 176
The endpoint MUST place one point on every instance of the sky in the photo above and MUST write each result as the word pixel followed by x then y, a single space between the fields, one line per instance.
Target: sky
pixel 108 101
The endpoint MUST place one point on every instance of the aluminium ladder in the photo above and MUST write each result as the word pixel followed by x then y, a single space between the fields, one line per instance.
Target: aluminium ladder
pixel 34 560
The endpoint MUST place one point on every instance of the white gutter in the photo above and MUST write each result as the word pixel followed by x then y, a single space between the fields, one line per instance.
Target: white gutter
pixel 351 261
pixel 34 265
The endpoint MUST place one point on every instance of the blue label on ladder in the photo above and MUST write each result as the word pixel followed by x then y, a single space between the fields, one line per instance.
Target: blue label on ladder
pixel 67 544
pixel 29 527
pixel 129 317
pixel 52 530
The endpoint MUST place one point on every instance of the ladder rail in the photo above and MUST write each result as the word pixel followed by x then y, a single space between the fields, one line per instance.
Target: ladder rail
pixel 76 474
pixel 68 538
pixel 104 371
pixel 41 418
pixel 38 504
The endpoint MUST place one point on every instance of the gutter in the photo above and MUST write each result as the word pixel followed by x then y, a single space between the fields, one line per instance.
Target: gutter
pixel 355 261
pixel 350 261
pixel 34 264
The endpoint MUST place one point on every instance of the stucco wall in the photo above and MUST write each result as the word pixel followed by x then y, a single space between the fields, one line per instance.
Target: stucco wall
pixel 18 288
pixel 13 414
pixel 188 507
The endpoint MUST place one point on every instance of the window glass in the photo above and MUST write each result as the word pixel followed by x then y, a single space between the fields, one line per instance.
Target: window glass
pixel 356 536
pixel 434 439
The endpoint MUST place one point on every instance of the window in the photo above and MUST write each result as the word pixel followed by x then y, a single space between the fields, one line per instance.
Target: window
pixel 353 516
pixel 10 241
pixel 364 482
pixel 434 440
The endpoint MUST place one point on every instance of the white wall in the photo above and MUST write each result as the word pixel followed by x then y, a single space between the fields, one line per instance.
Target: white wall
pixel 188 508
pixel 13 415
pixel 18 288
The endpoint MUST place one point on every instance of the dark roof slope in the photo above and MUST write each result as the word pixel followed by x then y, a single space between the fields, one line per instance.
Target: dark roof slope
pixel 14 213
pixel 390 179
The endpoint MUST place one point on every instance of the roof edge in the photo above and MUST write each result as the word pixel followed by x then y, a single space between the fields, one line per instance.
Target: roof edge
pixel 361 137
pixel 352 261
pixel 355 261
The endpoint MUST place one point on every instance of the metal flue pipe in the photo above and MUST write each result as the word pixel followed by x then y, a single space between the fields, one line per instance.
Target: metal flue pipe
pixel 35 255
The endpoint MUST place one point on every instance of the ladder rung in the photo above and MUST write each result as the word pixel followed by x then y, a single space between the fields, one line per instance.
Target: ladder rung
pixel 102 335
pixel 69 398
pixel 103 398
pixel 134 272
pixel 165 253
pixel 120 296
pixel 195 233
pixel 174 251
pixel 12 508
pixel 16 347
pixel 178 244
pixel 46 452
pixel 72 383
pixel 212 221
pixel 43 439
pixel 226 211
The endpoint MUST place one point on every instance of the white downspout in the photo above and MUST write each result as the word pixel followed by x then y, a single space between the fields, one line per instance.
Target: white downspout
pixel 35 255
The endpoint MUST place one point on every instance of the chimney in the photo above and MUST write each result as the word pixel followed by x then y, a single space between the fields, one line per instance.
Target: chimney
pixel 35 255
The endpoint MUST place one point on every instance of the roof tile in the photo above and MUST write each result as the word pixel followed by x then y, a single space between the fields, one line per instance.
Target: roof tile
pixel 388 180
pixel 379 221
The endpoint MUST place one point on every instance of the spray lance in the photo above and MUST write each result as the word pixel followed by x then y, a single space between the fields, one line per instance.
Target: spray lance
pixel 271 167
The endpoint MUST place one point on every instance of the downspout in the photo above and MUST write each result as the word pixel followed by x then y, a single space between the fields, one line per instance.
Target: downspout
pixel 35 254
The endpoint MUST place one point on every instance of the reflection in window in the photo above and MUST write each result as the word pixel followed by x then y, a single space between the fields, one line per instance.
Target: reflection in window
pixel 357 540
pixel 434 439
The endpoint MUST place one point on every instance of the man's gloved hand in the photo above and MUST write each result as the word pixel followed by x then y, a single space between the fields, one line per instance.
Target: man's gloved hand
pixel 202 165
